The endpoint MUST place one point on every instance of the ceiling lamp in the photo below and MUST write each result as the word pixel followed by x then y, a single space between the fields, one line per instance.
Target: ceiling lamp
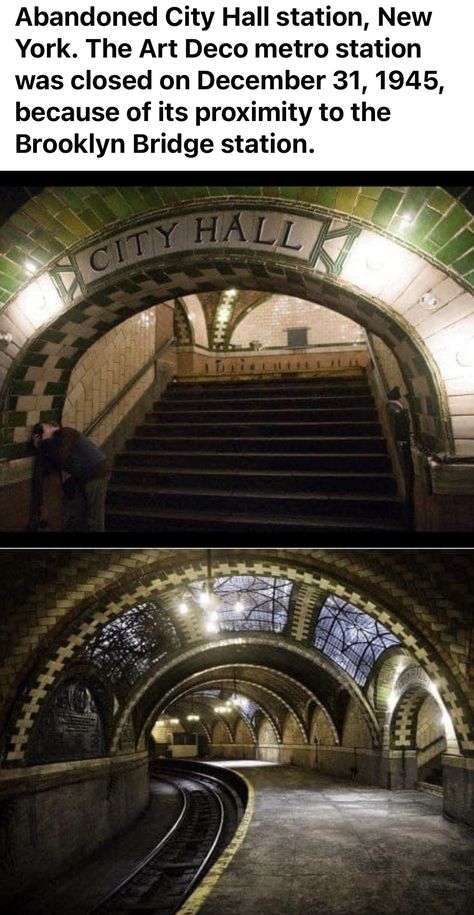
pixel 429 301
pixel 192 715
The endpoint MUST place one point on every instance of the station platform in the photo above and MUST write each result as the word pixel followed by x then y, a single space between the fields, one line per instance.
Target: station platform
pixel 320 846
pixel 314 845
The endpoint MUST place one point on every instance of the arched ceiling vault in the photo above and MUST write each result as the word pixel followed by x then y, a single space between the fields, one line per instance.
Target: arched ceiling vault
pixel 67 598
pixel 274 692
pixel 312 243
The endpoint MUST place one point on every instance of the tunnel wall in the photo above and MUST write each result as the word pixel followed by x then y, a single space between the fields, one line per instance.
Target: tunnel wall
pixel 341 761
pixel 233 750
pixel 55 816
pixel 458 788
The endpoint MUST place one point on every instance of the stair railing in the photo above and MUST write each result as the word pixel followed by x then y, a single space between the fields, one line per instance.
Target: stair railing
pixel 395 420
pixel 128 386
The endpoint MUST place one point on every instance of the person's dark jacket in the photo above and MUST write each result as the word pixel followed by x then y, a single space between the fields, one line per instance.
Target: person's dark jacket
pixel 72 452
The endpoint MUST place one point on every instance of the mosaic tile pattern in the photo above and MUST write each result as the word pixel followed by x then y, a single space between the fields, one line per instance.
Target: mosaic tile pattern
pixel 43 369
pixel 405 717
pixel 89 590
pixel 431 219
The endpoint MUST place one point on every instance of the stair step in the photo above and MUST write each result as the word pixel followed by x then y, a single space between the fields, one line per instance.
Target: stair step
pixel 222 460
pixel 264 403
pixel 257 456
pixel 263 480
pixel 307 444
pixel 270 416
pixel 267 388
pixel 317 503
pixel 274 429
pixel 216 522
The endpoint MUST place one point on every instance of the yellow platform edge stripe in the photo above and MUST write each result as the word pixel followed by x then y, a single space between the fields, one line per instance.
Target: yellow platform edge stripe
pixel 205 888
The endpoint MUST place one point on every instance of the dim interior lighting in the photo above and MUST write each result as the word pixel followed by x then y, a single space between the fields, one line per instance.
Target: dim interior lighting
pixel 207 600
pixel 174 721
pixel 30 267
pixel 429 301
pixel 192 715
pixel 239 605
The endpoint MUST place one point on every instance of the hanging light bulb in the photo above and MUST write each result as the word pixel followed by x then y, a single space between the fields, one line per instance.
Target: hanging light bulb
pixel 205 599
pixel 183 608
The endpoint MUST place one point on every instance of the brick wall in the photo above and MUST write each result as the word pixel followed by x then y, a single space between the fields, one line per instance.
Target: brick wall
pixel 269 322
pixel 104 370
pixel 321 729
pixel 355 731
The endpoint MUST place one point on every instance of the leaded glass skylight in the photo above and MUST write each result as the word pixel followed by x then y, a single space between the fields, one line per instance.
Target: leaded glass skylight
pixel 248 602
pixel 351 638
pixel 131 643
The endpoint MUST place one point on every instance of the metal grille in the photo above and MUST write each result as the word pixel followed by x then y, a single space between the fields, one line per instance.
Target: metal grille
pixel 353 639
pixel 264 602
pixel 129 645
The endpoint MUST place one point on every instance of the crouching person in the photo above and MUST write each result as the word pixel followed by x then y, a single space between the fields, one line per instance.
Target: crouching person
pixel 85 488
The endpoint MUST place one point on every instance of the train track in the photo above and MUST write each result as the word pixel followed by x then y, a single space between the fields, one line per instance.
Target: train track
pixel 209 814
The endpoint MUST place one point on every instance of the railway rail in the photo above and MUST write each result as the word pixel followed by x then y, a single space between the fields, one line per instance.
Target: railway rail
pixel 208 816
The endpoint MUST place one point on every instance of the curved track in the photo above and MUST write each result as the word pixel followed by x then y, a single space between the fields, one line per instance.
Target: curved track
pixel 160 883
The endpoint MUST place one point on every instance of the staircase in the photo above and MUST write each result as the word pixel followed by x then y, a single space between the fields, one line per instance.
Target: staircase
pixel 257 456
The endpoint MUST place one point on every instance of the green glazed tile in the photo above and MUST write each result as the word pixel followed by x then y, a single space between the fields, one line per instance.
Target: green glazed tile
pixel 386 207
pixel 455 219
pixel 440 200
pixel 365 207
pixel 372 192
pixel 15 419
pixel 118 205
pixel 458 246
pixel 346 198
pixel 465 264
pixel 326 196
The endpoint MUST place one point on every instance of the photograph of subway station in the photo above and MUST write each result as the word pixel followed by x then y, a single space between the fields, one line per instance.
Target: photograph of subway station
pixel 274 359
pixel 321 700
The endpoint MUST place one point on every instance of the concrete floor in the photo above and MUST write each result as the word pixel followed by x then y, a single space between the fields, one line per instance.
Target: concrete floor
pixel 314 846
pixel 317 845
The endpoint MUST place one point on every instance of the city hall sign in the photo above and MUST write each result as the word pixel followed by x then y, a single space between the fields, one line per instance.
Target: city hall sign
pixel 302 237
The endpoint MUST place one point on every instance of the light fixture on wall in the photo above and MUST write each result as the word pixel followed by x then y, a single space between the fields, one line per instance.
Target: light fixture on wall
pixel 193 716
pixel 429 301
pixel 5 339
pixel 223 707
